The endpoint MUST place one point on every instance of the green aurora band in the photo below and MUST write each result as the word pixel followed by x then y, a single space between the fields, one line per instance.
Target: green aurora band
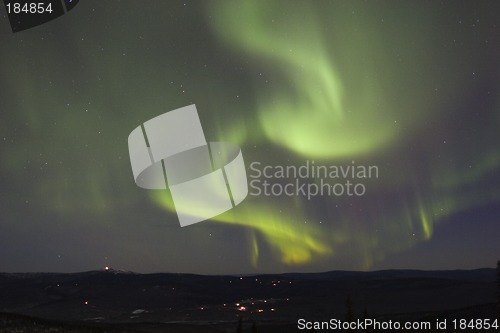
pixel 314 113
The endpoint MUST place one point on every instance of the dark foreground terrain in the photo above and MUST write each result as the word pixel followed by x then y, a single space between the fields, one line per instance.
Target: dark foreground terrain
pixel 113 301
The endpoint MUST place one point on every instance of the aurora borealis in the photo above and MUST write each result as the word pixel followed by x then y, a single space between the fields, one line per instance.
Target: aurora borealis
pixel 410 87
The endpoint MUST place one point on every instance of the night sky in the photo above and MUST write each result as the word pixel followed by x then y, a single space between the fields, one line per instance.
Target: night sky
pixel 412 87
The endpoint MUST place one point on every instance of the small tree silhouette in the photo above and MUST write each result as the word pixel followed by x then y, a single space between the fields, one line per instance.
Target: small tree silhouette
pixel 367 315
pixel 498 289
pixel 255 329
pixel 349 315
pixel 239 328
